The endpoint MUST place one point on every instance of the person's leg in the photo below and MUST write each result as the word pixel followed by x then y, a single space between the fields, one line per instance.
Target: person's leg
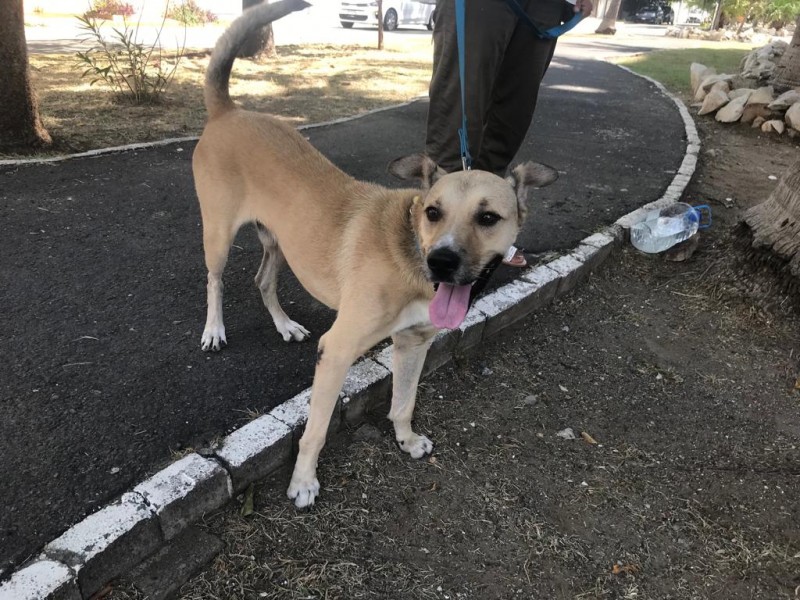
pixel 489 27
pixel 514 97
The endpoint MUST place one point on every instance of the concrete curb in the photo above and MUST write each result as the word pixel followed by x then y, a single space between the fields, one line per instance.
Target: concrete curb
pixel 122 535
pixel 15 162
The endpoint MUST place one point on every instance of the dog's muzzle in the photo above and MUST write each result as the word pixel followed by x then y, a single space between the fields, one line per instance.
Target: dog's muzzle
pixel 443 264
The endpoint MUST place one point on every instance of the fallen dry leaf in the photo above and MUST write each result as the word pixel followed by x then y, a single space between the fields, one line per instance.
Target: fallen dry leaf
pixel 588 438
pixel 627 569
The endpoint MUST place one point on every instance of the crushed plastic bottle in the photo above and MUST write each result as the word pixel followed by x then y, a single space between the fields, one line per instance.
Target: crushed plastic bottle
pixel 663 228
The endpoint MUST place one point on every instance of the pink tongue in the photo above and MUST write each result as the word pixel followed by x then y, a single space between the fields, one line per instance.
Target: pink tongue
pixel 449 306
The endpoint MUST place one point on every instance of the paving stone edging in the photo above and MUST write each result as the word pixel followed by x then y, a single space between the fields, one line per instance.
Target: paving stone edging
pixel 118 537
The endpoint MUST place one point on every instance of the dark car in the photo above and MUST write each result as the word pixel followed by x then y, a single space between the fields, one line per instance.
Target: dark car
pixel 649 14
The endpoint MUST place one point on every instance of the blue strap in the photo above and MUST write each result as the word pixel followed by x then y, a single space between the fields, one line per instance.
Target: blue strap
pixel 466 158
pixel 545 34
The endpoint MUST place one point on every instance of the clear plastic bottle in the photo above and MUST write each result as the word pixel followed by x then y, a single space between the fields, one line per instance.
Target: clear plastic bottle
pixel 663 228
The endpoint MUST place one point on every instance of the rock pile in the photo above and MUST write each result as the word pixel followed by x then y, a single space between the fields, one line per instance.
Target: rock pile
pixel 748 34
pixel 746 97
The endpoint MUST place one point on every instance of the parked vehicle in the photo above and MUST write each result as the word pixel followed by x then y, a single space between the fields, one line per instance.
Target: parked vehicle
pixel 696 15
pixel 649 14
pixel 396 13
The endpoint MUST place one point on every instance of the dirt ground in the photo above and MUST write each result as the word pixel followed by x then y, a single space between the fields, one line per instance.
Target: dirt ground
pixel 684 379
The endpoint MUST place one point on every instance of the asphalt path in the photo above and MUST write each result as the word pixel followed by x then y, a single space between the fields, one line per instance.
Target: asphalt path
pixel 102 288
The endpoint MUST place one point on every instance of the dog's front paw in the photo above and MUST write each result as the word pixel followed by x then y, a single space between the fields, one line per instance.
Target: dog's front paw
pixel 292 331
pixel 303 491
pixel 213 338
pixel 416 445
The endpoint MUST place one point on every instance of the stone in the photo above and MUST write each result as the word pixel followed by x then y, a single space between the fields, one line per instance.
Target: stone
pixel 759 65
pixel 758 121
pixel 752 111
pixel 785 100
pixel 714 80
pixel 366 387
pixel 763 95
pixel 571 272
pixel 697 73
pixel 792 117
pixel 715 100
pixel 255 450
pixel 773 126
pixel 709 82
pixel 108 543
pixel 720 86
pixel 513 301
pixel 732 111
pixel 162 574
pixel 184 491
pixel 41 580
pixel 733 94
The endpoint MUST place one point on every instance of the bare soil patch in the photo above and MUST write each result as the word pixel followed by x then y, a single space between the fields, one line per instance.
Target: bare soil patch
pixel 304 84
pixel 682 375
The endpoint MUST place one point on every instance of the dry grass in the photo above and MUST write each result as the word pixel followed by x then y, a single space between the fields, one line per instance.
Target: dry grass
pixel 304 84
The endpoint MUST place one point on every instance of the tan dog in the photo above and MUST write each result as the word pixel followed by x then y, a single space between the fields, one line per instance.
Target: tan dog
pixel 377 253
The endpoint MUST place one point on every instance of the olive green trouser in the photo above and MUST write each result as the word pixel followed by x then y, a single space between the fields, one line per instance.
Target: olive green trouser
pixel 504 64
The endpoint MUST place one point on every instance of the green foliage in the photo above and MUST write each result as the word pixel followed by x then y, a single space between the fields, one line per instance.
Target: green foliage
pixel 135 72
pixel 189 13
pixel 783 10
pixel 753 11
pixel 671 67
pixel 106 9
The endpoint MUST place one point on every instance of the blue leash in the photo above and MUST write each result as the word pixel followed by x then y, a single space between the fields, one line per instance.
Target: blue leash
pixel 547 34
pixel 466 157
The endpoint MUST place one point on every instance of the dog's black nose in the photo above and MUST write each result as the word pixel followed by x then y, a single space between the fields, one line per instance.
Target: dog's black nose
pixel 443 262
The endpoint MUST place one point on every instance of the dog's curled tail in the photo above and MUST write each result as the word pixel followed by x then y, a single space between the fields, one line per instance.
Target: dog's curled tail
pixel 217 96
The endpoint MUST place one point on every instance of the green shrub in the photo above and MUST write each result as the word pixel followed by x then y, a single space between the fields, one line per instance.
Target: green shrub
pixel 135 72
pixel 106 9
pixel 188 13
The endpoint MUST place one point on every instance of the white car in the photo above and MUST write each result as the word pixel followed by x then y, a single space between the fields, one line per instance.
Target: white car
pixel 396 13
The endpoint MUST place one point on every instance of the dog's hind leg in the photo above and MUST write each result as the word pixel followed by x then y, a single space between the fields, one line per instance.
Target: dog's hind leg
pixel 267 282
pixel 410 348
pixel 217 240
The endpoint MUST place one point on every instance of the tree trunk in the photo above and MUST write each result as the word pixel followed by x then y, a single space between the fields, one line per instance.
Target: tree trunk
pixel 715 21
pixel 608 26
pixel 21 128
pixel 380 24
pixel 775 225
pixel 787 73
pixel 260 45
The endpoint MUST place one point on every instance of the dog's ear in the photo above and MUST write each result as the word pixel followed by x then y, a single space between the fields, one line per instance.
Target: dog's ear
pixel 526 176
pixel 416 166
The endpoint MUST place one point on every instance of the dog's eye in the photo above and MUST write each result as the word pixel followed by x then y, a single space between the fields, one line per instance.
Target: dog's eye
pixel 433 214
pixel 487 219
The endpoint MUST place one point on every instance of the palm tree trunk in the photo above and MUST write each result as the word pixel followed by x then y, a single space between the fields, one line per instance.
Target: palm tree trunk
pixel 774 225
pixel 787 73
